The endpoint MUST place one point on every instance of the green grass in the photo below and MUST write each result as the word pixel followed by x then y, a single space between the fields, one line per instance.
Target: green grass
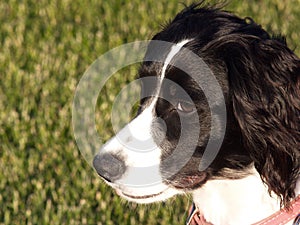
pixel 45 47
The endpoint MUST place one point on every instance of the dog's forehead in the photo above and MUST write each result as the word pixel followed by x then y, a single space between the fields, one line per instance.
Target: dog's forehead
pixel 155 70
pixel 159 57
pixel 173 51
pixel 162 61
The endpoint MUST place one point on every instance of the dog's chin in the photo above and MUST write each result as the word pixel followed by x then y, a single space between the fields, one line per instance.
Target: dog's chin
pixel 147 198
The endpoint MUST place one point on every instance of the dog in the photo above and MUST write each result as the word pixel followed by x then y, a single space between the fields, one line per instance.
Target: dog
pixel 254 172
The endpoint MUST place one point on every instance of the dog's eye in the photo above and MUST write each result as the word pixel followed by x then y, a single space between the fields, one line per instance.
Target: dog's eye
pixel 185 107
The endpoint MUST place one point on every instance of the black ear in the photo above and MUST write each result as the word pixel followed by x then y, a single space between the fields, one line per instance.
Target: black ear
pixel 264 79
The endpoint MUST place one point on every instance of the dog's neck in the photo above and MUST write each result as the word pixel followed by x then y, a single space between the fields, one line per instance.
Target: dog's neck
pixel 235 202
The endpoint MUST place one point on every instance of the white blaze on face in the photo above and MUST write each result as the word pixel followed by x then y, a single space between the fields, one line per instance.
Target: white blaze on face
pixel 174 50
pixel 142 155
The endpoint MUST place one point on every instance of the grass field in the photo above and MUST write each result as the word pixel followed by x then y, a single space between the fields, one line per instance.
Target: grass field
pixel 45 47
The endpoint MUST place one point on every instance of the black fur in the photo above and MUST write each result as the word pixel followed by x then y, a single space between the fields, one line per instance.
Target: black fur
pixel 260 77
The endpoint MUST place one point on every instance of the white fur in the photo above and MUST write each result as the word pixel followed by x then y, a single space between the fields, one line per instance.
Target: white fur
pixel 174 50
pixel 142 155
pixel 236 202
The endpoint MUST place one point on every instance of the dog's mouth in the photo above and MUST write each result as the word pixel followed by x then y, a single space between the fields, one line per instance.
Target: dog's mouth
pixel 142 197
pixel 138 197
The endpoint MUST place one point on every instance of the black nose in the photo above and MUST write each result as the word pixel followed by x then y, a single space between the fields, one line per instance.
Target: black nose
pixel 109 167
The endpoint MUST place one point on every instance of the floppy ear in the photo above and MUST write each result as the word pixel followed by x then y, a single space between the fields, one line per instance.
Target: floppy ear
pixel 264 79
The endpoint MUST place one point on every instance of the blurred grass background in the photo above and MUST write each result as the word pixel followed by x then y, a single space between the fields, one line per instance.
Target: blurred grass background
pixel 45 47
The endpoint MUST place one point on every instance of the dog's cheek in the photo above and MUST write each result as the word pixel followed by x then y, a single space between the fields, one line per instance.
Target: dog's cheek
pixel 188 182
pixel 166 132
pixel 186 177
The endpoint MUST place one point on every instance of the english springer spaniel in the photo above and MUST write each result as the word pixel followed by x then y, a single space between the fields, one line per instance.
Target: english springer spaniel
pixel 171 146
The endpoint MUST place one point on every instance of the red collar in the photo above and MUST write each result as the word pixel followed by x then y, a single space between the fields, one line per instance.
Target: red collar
pixel 281 217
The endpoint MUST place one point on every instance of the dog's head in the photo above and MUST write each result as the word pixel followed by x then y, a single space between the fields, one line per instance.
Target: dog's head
pixel 209 118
